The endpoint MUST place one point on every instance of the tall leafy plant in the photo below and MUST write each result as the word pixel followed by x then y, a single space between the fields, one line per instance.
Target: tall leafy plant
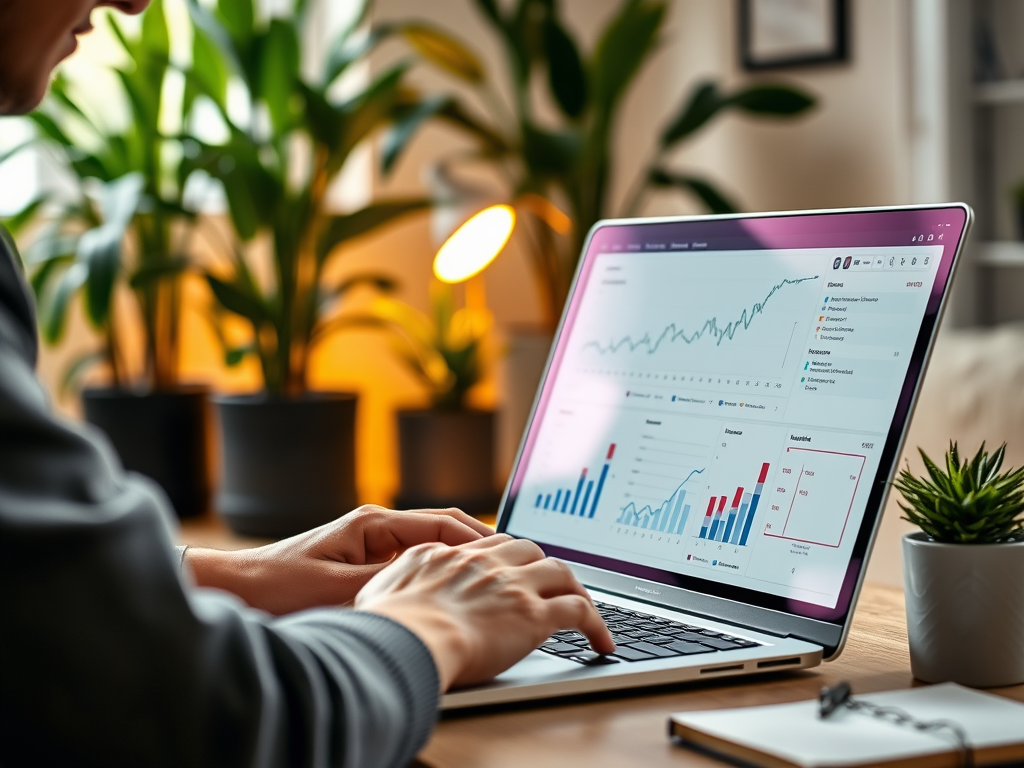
pixel 570 165
pixel 129 189
pixel 276 168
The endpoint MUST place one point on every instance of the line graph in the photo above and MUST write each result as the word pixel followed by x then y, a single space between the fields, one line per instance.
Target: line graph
pixel 674 332
pixel 666 518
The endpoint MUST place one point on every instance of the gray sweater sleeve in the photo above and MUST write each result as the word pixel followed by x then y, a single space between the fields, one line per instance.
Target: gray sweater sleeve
pixel 108 658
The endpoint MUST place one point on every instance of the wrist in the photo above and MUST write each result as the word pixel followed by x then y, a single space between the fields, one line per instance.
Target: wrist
pixel 231 571
pixel 439 632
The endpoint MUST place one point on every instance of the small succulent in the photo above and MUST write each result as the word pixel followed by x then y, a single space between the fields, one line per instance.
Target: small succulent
pixel 969 502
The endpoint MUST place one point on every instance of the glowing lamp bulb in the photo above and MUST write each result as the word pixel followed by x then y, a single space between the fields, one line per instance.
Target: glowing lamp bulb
pixel 474 245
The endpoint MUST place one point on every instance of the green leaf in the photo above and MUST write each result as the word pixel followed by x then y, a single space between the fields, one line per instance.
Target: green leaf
pixel 279 69
pixel 401 132
pixel 238 19
pixel 622 49
pixel 217 34
pixel 100 249
pixel 715 201
pixel 49 128
pixel 365 113
pixel 491 11
pixel 550 153
pixel 346 227
pixel 778 100
pixel 76 370
pixel 209 68
pixel 40 279
pixel 704 104
pixel 491 142
pixel 566 77
pixel 235 298
pixel 443 50
pixel 53 309
pixel 155 272
pixel 9 153
pixel 155 40
pixel 21 219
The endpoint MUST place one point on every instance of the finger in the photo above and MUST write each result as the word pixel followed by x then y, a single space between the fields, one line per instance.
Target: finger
pixel 578 612
pixel 482 528
pixel 398 531
pixel 508 551
pixel 552 578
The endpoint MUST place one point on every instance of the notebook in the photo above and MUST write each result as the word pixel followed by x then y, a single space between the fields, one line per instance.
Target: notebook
pixel 794 736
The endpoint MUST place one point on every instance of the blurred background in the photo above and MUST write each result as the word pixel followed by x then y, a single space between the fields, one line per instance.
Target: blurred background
pixel 245 196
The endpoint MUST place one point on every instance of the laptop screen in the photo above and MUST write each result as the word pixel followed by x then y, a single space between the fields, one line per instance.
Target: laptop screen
pixel 726 398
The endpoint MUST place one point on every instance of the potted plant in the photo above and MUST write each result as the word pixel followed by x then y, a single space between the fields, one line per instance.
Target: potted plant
pixel 126 226
pixel 964 571
pixel 446 450
pixel 288 453
pixel 565 159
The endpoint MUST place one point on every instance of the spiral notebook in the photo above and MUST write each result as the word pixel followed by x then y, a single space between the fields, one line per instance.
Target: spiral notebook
pixel 794 736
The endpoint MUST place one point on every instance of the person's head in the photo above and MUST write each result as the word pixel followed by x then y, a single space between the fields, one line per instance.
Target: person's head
pixel 35 36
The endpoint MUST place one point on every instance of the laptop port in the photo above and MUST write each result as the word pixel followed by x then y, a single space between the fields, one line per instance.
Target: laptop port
pixel 777 663
pixel 727 668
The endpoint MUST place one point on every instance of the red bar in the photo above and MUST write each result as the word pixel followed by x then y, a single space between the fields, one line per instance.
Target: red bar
pixel 584 472
pixel 721 504
pixel 739 495
pixel 611 452
pixel 764 473
pixel 711 506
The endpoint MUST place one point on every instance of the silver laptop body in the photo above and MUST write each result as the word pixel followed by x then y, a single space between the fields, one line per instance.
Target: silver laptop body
pixel 712 442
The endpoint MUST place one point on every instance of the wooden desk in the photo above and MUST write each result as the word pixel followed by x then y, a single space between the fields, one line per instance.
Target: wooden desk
pixel 629 729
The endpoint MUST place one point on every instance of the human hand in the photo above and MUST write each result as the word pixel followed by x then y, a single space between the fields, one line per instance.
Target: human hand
pixel 482 606
pixel 330 564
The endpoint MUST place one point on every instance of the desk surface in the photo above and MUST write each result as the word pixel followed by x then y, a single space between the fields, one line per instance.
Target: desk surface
pixel 621 730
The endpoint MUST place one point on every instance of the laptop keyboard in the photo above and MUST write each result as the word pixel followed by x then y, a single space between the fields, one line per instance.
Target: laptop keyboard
pixel 641 637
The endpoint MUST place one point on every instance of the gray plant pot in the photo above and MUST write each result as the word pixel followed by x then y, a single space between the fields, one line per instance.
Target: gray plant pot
pixel 965 611
pixel 446 459
pixel 287 465
pixel 163 435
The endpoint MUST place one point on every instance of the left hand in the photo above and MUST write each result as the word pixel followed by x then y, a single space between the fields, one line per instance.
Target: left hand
pixel 330 564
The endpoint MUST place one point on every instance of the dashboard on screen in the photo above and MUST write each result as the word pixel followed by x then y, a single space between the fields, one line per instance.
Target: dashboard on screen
pixel 726 397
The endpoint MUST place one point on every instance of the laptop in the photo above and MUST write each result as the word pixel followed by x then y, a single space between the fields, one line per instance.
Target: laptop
pixel 712 442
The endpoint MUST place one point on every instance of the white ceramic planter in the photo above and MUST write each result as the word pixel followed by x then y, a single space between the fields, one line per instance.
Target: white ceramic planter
pixel 965 611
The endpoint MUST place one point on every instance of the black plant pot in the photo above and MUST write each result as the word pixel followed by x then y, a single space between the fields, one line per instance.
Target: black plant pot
pixel 163 435
pixel 288 465
pixel 446 459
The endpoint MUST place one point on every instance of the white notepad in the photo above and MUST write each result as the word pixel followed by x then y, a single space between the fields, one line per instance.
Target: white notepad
pixel 794 734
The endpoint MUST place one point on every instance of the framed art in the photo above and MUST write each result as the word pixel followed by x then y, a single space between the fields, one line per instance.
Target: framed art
pixel 792 33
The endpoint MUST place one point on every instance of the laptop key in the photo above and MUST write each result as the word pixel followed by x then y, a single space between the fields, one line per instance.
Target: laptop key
pixel 558 648
pixel 687 649
pixel 592 659
pixel 654 650
pixel 719 644
pixel 632 654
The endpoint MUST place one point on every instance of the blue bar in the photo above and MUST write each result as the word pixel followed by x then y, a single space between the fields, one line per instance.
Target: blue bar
pixel 675 515
pixel 729 524
pixel 682 520
pixel 664 515
pixel 741 518
pixel 540 499
pixel 576 498
pixel 547 501
pixel 558 498
pixel 647 519
pixel 600 485
pixel 714 529
pixel 680 495
pixel 586 496
pixel 750 515
pixel 565 500
pixel 655 517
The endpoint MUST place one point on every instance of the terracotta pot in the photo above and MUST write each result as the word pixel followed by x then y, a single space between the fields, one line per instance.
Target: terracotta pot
pixel 446 459
pixel 288 465
pixel 163 435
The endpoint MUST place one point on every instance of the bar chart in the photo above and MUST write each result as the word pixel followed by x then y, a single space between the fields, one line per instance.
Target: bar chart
pixel 582 500
pixel 670 517
pixel 731 524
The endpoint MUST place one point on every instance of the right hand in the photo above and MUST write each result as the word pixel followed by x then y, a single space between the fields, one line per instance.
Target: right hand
pixel 481 607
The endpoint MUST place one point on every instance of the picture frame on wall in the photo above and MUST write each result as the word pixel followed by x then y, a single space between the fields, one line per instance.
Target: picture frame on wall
pixel 774 34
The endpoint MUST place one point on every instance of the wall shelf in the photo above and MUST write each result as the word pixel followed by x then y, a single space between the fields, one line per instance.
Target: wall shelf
pixel 1000 92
